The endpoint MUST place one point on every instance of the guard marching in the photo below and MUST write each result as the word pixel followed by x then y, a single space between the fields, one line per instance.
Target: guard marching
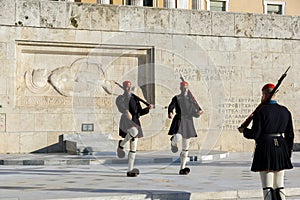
pixel 130 127
pixel 182 126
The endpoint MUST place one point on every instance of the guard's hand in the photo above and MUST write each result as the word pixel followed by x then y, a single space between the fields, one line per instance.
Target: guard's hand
pixel 151 106
pixel 170 115
pixel 200 112
pixel 241 129
pixel 128 115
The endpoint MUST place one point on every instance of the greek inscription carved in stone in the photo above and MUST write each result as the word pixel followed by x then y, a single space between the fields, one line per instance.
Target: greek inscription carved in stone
pixel 236 110
pixel 45 101
pixel 189 73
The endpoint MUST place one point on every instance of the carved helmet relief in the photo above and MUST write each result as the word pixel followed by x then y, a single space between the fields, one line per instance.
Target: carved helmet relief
pixel 36 80
pixel 81 78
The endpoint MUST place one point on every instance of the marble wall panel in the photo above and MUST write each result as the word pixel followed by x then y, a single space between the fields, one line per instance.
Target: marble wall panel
pixel 272 45
pixel 295 60
pixel 263 26
pixel 208 43
pixel 47 122
pixel 28 13
pixel 3 84
pixel 201 23
pixel 222 24
pixel 7 33
pixel 10 142
pixel 282 27
pixel 106 17
pixel 2 122
pixel 27 122
pixel 180 21
pixel 287 46
pixel 158 20
pixel 281 60
pixel 8 9
pixel 26 145
pixel 229 44
pixel 252 45
pixel 295 27
pixel 159 141
pixel 240 58
pixel 79 16
pixel 132 18
pixel 3 50
pixel 53 14
pixel 68 123
pixel 103 17
pixel 261 59
pixel 86 36
pixel 235 142
pixel 244 25
pixel 219 58
pixel 248 145
pixel 161 42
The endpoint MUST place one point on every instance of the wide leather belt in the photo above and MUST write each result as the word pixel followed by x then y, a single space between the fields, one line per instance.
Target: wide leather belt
pixel 273 135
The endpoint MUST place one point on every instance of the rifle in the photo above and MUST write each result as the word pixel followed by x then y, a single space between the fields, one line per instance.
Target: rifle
pixel 138 98
pixel 195 103
pixel 275 89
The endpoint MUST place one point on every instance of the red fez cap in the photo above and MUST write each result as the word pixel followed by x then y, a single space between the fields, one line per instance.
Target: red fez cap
pixel 184 83
pixel 268 86
pixel 126 83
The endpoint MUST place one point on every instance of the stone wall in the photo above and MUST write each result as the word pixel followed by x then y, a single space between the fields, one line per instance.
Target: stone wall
pixel 59 62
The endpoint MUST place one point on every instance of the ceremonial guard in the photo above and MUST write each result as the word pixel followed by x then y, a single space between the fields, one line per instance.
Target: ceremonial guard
pixel 130 127
pixel 182 126
pixel 272 130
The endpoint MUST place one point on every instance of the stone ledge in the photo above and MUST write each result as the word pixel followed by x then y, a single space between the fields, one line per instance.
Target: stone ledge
pixel 296 147
pixel 86 16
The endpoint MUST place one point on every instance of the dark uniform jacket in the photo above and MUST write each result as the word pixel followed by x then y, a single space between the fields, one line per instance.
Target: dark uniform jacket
pixel 183 120
pixel 129 102
pixel 272 129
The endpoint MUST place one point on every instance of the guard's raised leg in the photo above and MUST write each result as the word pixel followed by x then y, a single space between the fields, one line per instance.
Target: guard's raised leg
pixel 131 134
pixel 120 150
pixel 121 144
pixel 174 141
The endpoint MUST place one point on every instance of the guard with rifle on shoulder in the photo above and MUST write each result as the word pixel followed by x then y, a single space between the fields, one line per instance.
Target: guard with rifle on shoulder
pixel 182 126
pixel 130 127
pixel 272 130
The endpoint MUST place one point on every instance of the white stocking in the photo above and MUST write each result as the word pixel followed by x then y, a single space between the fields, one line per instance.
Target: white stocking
pixel 267 179
pixel 185 152
pixel 186 143
pixel 131 158
pixel 132 153
pixel 183 158
pixel 267 184
pixel 279 184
